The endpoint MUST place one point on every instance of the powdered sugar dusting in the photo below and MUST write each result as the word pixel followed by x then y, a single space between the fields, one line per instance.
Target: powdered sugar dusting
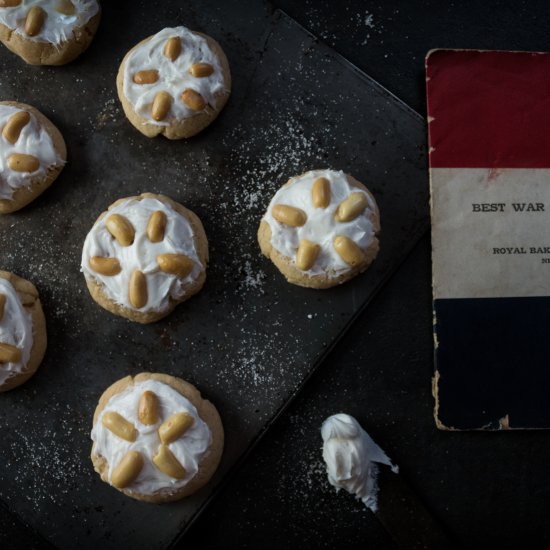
pixel 36 452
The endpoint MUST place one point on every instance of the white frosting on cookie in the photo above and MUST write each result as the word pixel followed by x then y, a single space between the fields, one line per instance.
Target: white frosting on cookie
pixel 57 27
pixel 142 254
pixel 15 329
pixel 321 227
pixel 188 448
pixel 174 76
pixel 352 458
pixel 33 140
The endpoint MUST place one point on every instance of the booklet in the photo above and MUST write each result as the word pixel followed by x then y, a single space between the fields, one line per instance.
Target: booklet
pixel 489 139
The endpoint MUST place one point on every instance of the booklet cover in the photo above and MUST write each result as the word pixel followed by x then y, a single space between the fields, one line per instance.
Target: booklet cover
pixel 489 138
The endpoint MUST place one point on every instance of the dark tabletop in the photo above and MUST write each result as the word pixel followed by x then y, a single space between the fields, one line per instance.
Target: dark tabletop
pixel 484 488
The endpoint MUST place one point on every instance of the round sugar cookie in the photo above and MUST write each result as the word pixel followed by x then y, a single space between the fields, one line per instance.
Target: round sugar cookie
pixel 320 229
pixel 174 83
pixel 22 331
pixel 143 256
pixel 155 438
pixel 48 32
pixel 32 154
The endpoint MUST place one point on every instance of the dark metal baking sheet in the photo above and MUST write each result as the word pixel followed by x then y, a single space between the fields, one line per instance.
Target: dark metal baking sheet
pixel 249 339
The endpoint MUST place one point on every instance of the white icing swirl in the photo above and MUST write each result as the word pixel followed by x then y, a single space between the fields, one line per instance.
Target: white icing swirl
pixel 33 140
pixel 15 329
pixel 321 227
pixel 57 27
pixel 188 449
pixel 174 76
pixel 351 457
pixel 142 254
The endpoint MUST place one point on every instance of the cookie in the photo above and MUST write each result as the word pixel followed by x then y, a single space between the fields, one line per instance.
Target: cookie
pixel 320 229
pixel 32 154
pixel 22 331
pixel 155 438
pixel 174 83
pixel 48 32
pixel 143 256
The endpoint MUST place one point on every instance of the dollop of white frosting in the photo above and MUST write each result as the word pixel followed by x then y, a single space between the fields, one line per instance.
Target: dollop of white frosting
pixel 33 140
pixel 174 76
pixel 351 457
pixel 188 449
pixel 142 254
pixel 321 227
pixel 57 27
pixel 15 329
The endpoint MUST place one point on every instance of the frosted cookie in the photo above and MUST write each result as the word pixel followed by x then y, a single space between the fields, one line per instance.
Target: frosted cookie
pixel 320 229
pixel 32 154
pixel 22 331
pixel 174 83
pixel 143 256
pixel 155 438
pixel 48 32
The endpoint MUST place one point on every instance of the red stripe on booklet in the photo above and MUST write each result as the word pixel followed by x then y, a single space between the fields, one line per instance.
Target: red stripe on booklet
pixel 488 109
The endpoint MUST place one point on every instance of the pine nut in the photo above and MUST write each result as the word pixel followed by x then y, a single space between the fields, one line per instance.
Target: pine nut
pixel 350 208
pixel 137 292
pixel 193 100
pixel 307 254
pixel 156 226
pixel 2 305
pixel 23 163
pixel 175 426
pixel 148 408
pixel 127 470
pixel 9 354
pixel 105 266
pixel 320 193
pixel 121 229
pixel 66 7
pixel 168 464
pixel 348 250
pixel 295 217
pixel 34 20
pixel 146 77
pixel 201 70
pixel 15 124
pixel 161 105
pixel 9 3
pixel 175 264
pixel 172 48
pixel 117 424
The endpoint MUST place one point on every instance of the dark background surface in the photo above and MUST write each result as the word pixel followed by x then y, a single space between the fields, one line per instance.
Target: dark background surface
pixel 485 488
pixel 249 339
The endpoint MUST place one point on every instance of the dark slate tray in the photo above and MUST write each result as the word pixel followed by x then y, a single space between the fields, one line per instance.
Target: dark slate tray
pixel 249 340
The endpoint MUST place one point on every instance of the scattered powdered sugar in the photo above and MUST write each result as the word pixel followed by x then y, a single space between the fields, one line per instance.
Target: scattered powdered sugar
pixel 260 161
pixel 361 26
pixel 368 20
pixel 252 279
pixel 109 113
pixel 38 454
pixel 286 149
